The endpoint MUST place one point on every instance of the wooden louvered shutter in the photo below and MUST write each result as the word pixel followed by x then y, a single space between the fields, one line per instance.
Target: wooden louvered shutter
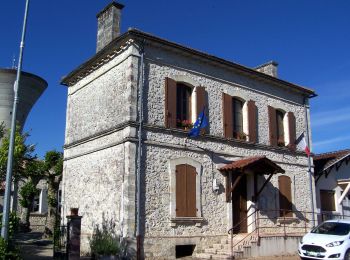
pixel 272 126
pixel 181 203
pixel 227 115
pixel 191 191
pixel 285 196
pixel 291 129
pixel 201 99
pixel 170 103
pixel 252 121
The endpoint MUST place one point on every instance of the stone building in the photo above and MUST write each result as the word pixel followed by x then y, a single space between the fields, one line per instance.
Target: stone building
pixel 128 158
pixel 332 180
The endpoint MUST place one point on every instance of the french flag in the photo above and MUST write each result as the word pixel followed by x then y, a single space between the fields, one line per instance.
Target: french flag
pixel 302 145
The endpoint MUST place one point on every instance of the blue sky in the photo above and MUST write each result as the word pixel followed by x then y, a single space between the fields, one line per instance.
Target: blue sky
pixel 309 39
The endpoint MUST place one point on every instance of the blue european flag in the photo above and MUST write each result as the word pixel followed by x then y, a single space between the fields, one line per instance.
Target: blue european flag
pixel 201 123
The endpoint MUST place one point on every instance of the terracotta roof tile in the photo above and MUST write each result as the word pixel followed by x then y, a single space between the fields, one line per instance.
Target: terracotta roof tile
pixel 249 162
pixel 325 160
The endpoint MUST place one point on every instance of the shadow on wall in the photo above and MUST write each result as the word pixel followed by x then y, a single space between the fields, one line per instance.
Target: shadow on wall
pixel 106 242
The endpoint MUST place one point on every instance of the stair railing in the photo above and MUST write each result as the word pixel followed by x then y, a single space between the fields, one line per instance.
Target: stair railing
pixel 236 227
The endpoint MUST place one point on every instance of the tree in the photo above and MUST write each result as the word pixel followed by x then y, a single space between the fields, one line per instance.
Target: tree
pixel 53 162
pixel 22 155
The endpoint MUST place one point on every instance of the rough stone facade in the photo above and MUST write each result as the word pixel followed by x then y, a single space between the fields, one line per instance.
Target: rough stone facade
pixel 100 165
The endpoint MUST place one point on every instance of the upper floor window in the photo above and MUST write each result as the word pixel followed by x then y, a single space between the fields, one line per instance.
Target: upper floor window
pixel 282 128
pixel 237 113
pixel 183 103
pixel 239 118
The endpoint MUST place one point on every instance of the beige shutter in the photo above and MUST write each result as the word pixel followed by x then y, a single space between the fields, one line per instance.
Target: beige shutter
pixel 252 121
pixel 170 103
pixel 272 126
pixel 227 115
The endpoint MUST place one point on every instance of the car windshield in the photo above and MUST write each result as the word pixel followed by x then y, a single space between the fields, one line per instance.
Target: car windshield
pixel 332 228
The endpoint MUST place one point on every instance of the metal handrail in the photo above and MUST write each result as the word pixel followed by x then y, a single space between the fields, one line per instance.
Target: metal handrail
pixel 300 216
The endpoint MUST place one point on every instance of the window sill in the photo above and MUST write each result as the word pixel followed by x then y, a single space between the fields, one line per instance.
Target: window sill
pixel 186 220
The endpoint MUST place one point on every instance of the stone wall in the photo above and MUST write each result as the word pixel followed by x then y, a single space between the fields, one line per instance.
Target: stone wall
pixel 38 222
pixel 101 144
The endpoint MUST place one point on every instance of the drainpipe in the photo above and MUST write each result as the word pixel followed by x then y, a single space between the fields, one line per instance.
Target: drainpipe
pixel 139 154
pixel 306 106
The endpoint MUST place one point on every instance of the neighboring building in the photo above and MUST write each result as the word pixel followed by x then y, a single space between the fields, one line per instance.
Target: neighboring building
pixel 332 178
pixel 244 172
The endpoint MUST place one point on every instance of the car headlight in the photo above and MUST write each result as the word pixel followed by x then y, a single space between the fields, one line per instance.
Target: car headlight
pixel 301 241
pixel 335 243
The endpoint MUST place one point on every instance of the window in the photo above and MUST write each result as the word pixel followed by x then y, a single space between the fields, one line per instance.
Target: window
pixel 282 128
pixel 237 113
pixel 239 118
pixel 327 200
pixel 35 204
pixel 183 105
pixel 285 196
pixel 185 191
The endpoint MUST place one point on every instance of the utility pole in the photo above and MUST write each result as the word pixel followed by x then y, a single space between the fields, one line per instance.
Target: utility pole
pixel 7 198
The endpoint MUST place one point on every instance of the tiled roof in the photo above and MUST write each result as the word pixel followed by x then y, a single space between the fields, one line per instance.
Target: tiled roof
pixel 248 162
pixel 324 161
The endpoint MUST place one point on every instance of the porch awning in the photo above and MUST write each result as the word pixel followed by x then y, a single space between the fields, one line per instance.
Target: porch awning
pixel 257 164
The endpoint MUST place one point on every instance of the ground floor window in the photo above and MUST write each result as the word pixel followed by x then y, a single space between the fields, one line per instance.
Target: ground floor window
pixel 327 200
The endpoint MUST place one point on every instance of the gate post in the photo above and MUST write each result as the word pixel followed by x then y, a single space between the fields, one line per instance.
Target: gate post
pixel 74 228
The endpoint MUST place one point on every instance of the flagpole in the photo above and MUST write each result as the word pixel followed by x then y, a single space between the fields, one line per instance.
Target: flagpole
pixel 309 162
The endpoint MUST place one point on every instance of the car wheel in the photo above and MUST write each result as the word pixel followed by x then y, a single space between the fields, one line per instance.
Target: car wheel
pixel 347 255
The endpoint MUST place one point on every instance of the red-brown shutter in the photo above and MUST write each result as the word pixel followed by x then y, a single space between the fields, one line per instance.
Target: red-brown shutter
pixel 272 126
pixel 191 191
pixel 285 196
pixel 227 115
pixel 170 103
pixel 181 188
pixel 201 99
pixel 252 121
pixel 292 130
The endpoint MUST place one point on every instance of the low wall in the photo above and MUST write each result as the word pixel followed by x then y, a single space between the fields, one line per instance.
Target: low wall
pixel 38 222
pixel 276 245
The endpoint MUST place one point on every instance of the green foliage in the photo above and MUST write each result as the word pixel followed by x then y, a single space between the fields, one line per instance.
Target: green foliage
pixel 13 223
pixel 52 200
pixel 2 129
pixel 104 241
pixel 22 154
pixel 8 250
pixel 27 192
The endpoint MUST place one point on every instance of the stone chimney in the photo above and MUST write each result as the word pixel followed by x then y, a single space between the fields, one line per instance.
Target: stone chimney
pixel 269 68
pixel 108 24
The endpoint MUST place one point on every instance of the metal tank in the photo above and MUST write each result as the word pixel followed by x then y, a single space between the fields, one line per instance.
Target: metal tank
pixel 30 89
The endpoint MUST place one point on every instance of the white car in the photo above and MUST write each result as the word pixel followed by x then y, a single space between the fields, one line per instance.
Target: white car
pixel 330 240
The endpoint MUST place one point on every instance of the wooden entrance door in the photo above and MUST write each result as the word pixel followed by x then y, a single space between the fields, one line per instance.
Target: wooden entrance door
pixel 239 206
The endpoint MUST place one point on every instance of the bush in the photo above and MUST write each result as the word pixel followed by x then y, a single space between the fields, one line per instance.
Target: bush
pixel 8 250
pixel 104 241
pixel 13 223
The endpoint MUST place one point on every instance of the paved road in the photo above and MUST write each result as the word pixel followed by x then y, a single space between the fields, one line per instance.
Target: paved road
pixel 34 247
